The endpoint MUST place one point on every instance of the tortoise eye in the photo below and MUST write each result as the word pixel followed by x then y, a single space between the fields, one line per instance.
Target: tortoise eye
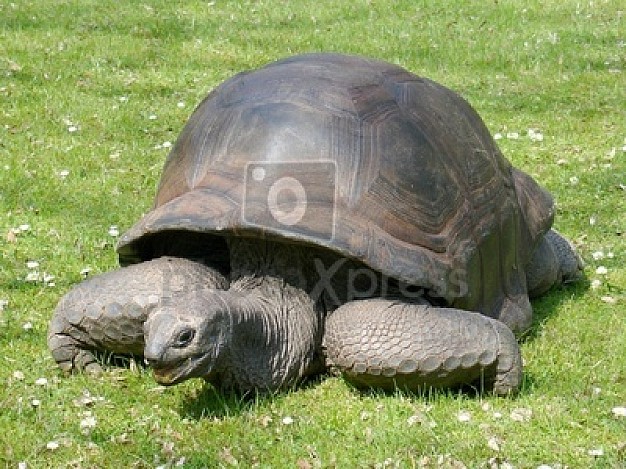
pixel 184 338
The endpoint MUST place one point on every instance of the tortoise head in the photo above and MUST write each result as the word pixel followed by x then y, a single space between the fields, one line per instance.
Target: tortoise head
pixel 187 336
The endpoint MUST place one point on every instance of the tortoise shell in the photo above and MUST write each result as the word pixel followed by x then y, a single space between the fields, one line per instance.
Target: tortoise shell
pixel 363 158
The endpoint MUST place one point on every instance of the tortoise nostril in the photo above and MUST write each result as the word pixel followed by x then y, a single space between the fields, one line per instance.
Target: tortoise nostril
pixel 184 338
pixel 149 361
pixel 152 356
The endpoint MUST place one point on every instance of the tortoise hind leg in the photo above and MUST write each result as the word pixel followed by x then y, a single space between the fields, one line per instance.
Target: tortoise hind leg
pixel 383 343
pixel 554 262
pixel 106 313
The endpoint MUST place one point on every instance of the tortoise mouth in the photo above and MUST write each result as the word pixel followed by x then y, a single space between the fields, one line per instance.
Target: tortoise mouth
pixel 169 374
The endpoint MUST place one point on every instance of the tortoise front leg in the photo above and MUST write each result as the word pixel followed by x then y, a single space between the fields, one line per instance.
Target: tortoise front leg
pixel 382 343
pixel 106 313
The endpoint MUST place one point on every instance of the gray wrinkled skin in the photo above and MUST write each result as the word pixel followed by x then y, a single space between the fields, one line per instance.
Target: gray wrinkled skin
pixel 269 325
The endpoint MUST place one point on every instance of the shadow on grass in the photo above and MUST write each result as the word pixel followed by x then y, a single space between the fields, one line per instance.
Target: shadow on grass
pixel 547 305
pixel 426 395
pixel 212 402
pixel 209 402
pixel 431 395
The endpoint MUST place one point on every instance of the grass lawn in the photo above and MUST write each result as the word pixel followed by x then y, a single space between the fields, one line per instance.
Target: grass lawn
pixel 93 92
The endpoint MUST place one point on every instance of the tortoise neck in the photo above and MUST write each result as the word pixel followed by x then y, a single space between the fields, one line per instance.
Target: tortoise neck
pixel 324 276
pixel 277 326
pixel 268 265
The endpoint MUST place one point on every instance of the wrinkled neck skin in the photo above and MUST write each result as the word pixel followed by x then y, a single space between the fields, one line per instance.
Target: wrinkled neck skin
pixel 276 326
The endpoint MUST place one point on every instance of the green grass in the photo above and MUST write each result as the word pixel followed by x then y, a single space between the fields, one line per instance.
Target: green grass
pixel 106 67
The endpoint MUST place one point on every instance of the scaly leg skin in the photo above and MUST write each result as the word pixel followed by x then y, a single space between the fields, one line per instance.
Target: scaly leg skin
pixel 388 344
pixel 107 312
pixel 554 262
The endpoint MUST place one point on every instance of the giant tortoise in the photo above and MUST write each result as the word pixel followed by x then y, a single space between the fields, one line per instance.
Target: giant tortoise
pixel 327 211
